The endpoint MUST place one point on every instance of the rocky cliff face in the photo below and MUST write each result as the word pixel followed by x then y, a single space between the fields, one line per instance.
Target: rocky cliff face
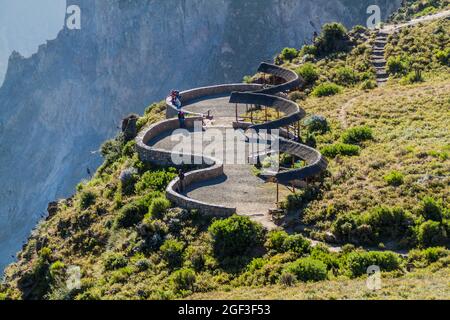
pixel 58 106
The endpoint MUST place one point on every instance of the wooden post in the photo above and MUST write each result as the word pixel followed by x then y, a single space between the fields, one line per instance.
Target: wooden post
pixel 278 195
pixel 236 112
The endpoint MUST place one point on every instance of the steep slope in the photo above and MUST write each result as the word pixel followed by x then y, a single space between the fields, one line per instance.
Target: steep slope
pixel 129 242
pixel 59 105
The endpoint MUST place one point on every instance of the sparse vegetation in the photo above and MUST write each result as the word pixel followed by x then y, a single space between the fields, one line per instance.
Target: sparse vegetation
pixel 386 189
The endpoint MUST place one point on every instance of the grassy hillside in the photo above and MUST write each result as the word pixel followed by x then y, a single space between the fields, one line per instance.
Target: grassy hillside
pixel 427 284
pixel 387 188
pixel 419 8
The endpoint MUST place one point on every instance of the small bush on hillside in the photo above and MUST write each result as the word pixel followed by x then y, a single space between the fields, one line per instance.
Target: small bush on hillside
pixel 357 135
pixel 287 279
pixel 87 199
pixel 412 77
pixel 430 209
pixel 309 73
pixel 443 56
pixel 297 244
pixel 158 208
pixel 388 222
pixel 326 89
pixel 293 201
pixel 342 149
pixel 333 38
pixel 317 124
pixel 346 76
pixel 183 280
pixel 172 252
pixel 114 261
pixel 130 215
pixel 358 262
pixel 111 150
pixel 394 178
pixel 396 66
pixel 432 234
pixel 308 270
pixel 297 95
pixel 310 50
pixel 235 236
pixel 368 85
pixel 275 241
pixel 155 180
pixel 289 54
pixel 423 258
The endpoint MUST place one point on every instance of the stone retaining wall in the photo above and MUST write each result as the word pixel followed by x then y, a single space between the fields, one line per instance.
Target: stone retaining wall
pixel 240 93
pixel 191 96
pixel 213 167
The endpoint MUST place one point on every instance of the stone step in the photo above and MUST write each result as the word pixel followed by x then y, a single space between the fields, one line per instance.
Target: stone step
pixel 378 53
pixel 379 64
pixel 382 34
pixel 377 47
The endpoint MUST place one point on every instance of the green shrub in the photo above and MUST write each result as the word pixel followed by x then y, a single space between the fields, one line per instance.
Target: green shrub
pixel 158 208
pixel 235 236
pixel 114 261
pixel 308 50
pixel 423 258
pixel 368 84
pixel 443 56
pixel 346 76
pixel 317 124
pixel 326 89
pixel 256 264
pixel 275 241
pixel 388 222
pixel 297 95
pixel 172 252
pixel 287 279
pixel 87 199
pixel 412 77
pixel 332 151
pixel 357 135
pixel 293 201
pixel 396 66
pixel 307 269
pixel 333 38
pixel 130 215
pixel 112 150
pixel 155 180
pixel 289 54
pixel 183 280
pixel 394 178
pixel 358 262
pixel 432 234
pixel 344 226
pixel 309 73
pixel 296 244
pixel 430 209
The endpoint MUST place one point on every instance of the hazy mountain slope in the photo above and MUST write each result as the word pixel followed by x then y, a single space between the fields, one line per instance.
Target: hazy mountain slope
pixel 59 105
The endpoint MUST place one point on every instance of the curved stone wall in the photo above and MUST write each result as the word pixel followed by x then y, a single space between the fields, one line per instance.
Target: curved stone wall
pixel 191 96
pixel 316 163
pixel 212 168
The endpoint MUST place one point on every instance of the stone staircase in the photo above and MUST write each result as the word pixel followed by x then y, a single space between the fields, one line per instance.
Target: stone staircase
pixel 378 59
